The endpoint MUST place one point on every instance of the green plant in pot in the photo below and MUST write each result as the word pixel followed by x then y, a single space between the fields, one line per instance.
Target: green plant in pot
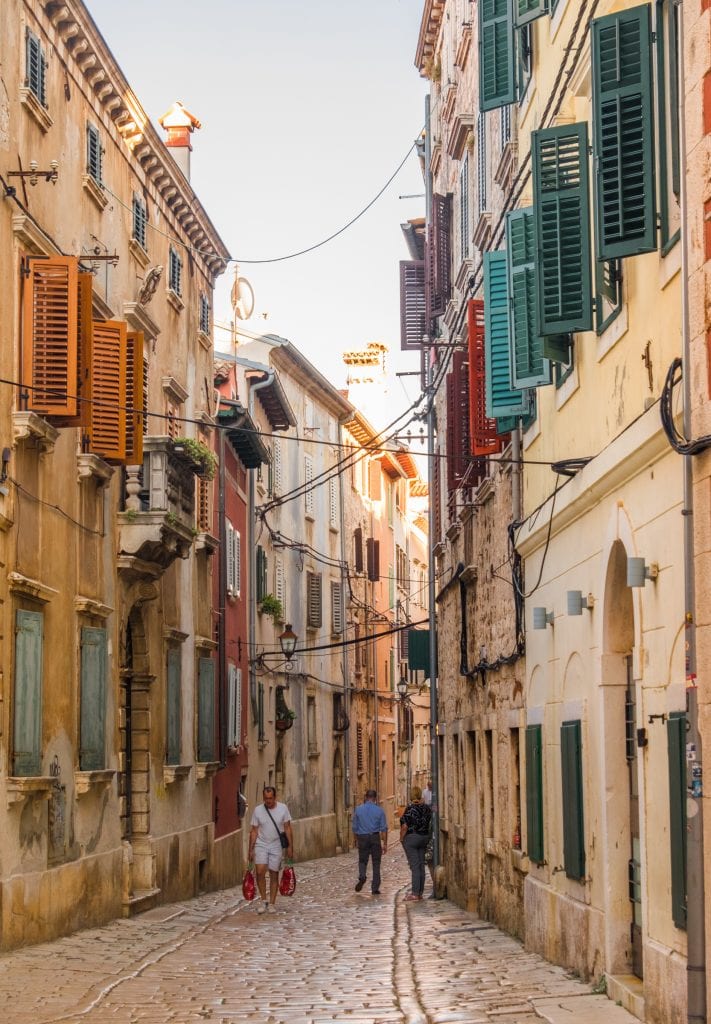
pixel 270 605
pixel 203 457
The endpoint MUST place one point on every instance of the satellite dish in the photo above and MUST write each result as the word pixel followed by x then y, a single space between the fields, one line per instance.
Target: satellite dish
pixel 242 298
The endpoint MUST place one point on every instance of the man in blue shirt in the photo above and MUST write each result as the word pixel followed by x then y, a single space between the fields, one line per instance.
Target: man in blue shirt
pixel 370 829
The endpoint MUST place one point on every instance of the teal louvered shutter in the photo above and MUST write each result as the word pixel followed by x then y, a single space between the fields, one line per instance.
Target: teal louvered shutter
pixel 497 77
pixel 573 822
pixel 562 211
pixel 92 718
pixel 557 348
pixel 418 650
pixel 676 745
pixel 206 709
pixel 505 424
pixel 623 144
pixel 27 717
pixel 501 398
pixel 529 10
pixel 534 793
pixel 528 367
pixel 174 707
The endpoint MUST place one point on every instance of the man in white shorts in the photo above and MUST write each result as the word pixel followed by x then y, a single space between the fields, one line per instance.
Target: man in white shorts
pixel 265 849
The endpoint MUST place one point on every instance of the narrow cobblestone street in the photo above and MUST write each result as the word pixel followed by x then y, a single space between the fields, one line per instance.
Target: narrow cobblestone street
pixel 328 955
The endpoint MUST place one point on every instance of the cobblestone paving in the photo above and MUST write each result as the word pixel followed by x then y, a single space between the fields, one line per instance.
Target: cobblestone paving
pixel 328 956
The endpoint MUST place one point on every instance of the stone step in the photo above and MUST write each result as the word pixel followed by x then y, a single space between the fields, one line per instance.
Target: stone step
pixel 583 1009
pixel 140 900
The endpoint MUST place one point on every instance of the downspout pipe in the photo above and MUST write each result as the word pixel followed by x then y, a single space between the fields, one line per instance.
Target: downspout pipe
pixel 696 901
pixel 344 649
pixel 222 584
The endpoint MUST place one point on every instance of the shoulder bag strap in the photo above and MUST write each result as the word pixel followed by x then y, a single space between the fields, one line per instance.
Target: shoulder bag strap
pixel 273 822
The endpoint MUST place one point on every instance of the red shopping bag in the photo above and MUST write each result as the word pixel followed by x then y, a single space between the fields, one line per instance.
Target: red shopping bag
pixel 287 883
pixel 249 889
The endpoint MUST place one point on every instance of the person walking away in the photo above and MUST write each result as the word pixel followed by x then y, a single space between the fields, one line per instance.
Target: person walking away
pixel 414 836
pixel 427 793
pixel 370 829
pixel 269 820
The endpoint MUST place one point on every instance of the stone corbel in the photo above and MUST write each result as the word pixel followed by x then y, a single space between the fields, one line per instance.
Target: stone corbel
pixel 33 589
pixel 206 769
pixel 28 426
pixel 175 773
pixel 95 609
pixel 92 467
pixel 86 782
pixel 33 787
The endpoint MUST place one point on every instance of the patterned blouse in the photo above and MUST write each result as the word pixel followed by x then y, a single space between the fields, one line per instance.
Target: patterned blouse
pixel 417 817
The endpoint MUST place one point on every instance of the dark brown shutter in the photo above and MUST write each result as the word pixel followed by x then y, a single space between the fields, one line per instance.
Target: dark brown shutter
pixel 50 350
pixel 372 548
pixel 482 428
pixel 439 256
pixel 412 304
pixel 358 543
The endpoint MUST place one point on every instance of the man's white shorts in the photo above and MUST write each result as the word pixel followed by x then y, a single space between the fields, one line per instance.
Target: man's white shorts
pixel 268 853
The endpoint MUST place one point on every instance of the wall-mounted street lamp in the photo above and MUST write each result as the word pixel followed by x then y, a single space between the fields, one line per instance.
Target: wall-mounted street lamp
pixel 638 573
pixel 542 618
pixel 576 602
pixel 402 688
pixel 288 640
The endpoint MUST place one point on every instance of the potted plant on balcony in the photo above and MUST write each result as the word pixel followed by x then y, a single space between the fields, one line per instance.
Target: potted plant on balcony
pixel 283 715
pixel 270 605
pixel 203 458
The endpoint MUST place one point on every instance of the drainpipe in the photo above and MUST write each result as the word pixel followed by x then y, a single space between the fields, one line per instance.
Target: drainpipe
pixel 222 584
pixel 695 923
pixel 344 648
pixel 516 502
pixel 252 604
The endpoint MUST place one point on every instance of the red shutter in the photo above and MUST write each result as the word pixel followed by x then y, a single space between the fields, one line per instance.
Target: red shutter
pixel 49 335
pixel 134 398
pixel 107 431
pixel 484 439
pixel 412 304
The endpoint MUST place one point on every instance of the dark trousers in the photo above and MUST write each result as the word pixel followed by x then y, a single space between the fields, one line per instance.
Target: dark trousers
pixel 415 846
pixel 370 846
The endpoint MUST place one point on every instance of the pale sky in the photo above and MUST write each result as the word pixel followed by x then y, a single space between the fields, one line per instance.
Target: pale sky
pixel 307 108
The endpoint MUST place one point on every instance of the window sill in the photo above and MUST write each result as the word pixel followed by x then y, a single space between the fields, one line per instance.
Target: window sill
pixel 204 541
pixel 175 773
pixel 139 253
pixel 19 789
pixel 92 467
pixel 35 109
pixel 95 191
pixel 482 232
pixel 174 299
pixel 206 769
pixel 27 426
pixel 507 165
pixel 86 782
pixel 205 340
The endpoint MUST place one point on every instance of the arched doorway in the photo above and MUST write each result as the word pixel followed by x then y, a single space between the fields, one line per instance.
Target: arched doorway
pixel 619 723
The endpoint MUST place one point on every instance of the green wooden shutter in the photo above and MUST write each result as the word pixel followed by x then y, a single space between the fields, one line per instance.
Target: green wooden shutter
pixel 501 398
pixel 206 709
pixel 529 10
pixel 562 209
pixel 623 145
pixel 528 367
pixel 497 78
pixel 573 822
pixel 676 745
pixel 418 650
pixel 174 707
pixel 534 792
pixel 27 718
pixel 557 348
pixel 92 718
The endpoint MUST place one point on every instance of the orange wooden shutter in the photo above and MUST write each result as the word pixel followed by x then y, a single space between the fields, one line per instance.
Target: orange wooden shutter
pixel 49 342
pixel 134 398
pixel 84 350
pixel 482 428
pixel 107 431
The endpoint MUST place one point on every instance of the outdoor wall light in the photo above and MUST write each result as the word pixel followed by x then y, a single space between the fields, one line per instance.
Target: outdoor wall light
pixel 576 602
pixel 542 618
pixel 287 641
pixel 638 573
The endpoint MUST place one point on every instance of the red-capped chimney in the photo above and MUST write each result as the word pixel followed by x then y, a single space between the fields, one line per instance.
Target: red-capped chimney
pixel 179 124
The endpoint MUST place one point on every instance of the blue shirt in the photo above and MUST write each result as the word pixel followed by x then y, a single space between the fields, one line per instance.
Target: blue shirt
pixel 368 818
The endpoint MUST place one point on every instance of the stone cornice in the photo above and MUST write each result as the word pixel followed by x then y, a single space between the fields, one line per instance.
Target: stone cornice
pixel 78 40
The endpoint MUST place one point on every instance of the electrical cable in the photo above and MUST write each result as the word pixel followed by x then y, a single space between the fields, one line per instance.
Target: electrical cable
pixel 676 439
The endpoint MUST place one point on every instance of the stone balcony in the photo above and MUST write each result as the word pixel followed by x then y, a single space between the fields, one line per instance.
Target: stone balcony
pixel 158 523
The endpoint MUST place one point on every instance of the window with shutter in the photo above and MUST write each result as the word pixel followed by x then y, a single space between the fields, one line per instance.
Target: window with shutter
pixel 92 714
pixel 676 747
pixel 464 228
pixel 481 163
pixel 280 582
pixel 309 492
pixel 482 428
pixel 360 766
pixel 501 398
pixel 623 142
pixel 237 723
pixel 526 11
pixel 333 503
pixel 206 710
pixel 524 59
pixel 572 778
pixel 202 502
pixel 175 271
pixel 204 318
pixel 505 125
pixel 230 557
pixel 412 304
pixel 534 793
pixel 438 257
pixel 134 399
pixel 562 211
pixel 372 550
pixel 27 694
pixel 358 548
pixel 174 707
pixel 35 67
pixel 496 54
pixel 277 471
pixel 260 713
pixel 667 47
pixel 50 356
pixel 94 154
pixel 528 367
pixel 107 427
pixel 608 293
pixel 336 609
pixel 419 650
pixel 261 573
pixel 139 212
pixel 314 617
pixel 237 540
pixel 375 489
